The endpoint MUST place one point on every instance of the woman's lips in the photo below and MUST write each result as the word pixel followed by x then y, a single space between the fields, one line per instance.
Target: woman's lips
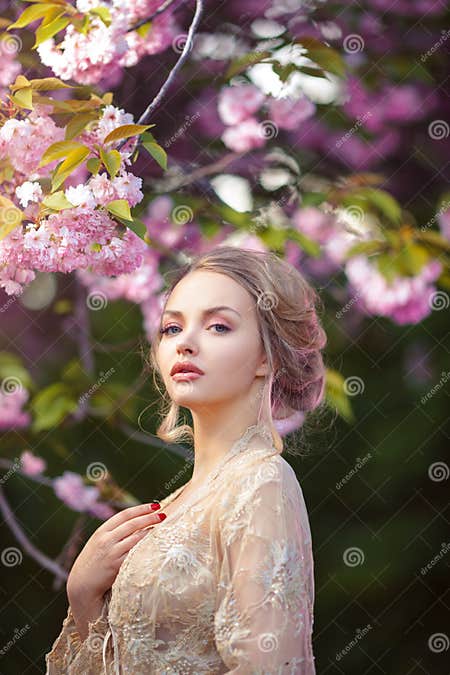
pixel 180 377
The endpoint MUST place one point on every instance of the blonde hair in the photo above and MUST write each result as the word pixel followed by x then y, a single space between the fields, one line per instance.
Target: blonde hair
pixel 289 327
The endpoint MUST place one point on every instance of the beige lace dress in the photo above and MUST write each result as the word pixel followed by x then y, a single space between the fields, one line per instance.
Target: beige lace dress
pixel 225 584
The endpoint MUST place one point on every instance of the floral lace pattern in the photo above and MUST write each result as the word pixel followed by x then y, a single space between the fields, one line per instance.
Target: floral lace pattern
pixel 224 585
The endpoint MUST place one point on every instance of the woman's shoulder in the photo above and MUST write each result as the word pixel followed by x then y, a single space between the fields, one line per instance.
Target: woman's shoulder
pixel 254 469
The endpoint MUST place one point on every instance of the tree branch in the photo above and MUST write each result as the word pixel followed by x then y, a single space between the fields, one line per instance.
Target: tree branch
pixel 26 544
pixel 160 10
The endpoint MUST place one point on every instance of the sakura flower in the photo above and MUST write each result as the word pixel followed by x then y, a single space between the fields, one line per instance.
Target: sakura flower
pixel 288 113
pixel 405 299
pixel 11 415
pixel 80 497
pixel 29 192
pixel 236 104
pixel 81 196
pixel 244 136
pixel 32 465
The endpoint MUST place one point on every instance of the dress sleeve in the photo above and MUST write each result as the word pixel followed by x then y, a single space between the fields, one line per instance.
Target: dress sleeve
pixel 72 656
pixel 264 611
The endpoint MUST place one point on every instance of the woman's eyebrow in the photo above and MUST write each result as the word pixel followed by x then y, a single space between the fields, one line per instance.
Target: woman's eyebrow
pixel 205 312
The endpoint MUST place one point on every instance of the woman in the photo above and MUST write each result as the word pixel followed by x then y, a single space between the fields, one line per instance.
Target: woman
pixel 225 583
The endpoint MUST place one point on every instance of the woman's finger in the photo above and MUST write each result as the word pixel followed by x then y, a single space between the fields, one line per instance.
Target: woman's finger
pixel 124 530
pixel 124 545
pixel 125 515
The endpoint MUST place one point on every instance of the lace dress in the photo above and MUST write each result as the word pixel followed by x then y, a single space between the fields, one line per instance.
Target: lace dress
pixel 225 584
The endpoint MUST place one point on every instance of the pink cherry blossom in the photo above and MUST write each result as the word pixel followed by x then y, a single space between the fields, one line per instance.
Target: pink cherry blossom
pixel 24 142
pixel 29 192
pixel 289 113
pixel 32 465
pixel 405 300
pixel 247 135
pixel 11 414
pixel 236 104
pixel 71 489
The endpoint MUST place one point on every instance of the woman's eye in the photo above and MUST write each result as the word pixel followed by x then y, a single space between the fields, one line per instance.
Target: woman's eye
pixel 165 331
pixel 222 325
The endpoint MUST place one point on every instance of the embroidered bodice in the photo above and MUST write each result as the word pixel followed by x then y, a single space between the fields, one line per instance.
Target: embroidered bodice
pixel 224 584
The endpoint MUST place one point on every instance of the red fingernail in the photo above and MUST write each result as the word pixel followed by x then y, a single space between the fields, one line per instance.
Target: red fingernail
pixel 162 516
pixel 154 506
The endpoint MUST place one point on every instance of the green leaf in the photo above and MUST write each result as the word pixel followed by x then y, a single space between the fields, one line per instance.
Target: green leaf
pixel 139 228
pixel 93 165
pixel 435 242
pixel 120 208
pixel 58 150
pixel 51 405
pixel 47 31
pixel 385 203
pixel 20 83
pixel 126 131
pixel 57 201
pixel 411 259
pixel 32 13
pixel 24 98
pixel 157 152
pixel 366 248
pixel 325 57
pixel 103 13
pixel 241 64
pixel 112 160
pixel 11 366
pixel 49 84
pixel 144 30
pixel 78 123
pixel 63 171
pixel 336 396
pixel 310 246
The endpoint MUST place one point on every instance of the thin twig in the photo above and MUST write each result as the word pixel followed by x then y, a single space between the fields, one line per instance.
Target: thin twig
pixel 28 547
pixel 160 10
pixel 186 49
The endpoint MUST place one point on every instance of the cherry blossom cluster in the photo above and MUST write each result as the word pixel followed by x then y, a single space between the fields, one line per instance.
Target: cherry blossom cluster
pixel 404 299
pixel 237 107
pixel 104 50
pixel 82 237
pixel 69 487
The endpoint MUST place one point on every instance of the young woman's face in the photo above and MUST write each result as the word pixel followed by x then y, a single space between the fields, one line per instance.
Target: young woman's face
pixel 225 344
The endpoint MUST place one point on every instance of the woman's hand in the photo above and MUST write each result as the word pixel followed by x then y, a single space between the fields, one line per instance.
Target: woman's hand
pixel 98 563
